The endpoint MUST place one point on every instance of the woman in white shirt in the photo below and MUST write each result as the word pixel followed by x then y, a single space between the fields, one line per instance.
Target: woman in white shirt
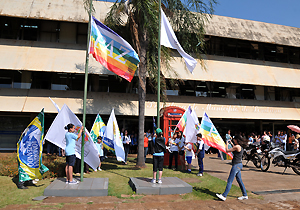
pixel 173 143
pixel 126 143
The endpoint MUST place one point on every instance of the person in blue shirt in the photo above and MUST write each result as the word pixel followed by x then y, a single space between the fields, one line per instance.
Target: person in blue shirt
pixel 158 156
pixel 99 145
pixel 71 138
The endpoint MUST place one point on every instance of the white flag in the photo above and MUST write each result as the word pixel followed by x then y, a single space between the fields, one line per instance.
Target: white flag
pixel 56 106
pixel 192 127
pixel 56 135
pixel 169 39
pixel 113 133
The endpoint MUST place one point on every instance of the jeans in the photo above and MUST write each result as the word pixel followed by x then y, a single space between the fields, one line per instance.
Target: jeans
pixel 145 152
pixel 235 172
pixel 126 150
pixel 200 163
pixel 175 154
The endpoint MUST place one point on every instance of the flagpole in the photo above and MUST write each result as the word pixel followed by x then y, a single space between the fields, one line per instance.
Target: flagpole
pixel 158 64
pixel 85 90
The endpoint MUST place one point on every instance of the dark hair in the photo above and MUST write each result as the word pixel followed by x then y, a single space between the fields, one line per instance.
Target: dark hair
pixel 99 137
pixel 243 142
pixel 69 126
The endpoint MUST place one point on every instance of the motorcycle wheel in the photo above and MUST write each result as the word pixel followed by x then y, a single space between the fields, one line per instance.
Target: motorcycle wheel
pixel 265 163
pixel 297 163
pixel 256 160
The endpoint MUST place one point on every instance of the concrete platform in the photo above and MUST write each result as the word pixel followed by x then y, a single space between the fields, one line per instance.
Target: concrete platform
pixel 170 185
pixel 89 187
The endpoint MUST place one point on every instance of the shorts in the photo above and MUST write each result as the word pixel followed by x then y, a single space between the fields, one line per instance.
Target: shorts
pixel 70 160
pixel 101 158
pixel 189 159
pixel 158 163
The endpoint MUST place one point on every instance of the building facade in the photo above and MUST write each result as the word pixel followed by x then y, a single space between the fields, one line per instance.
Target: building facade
pixel 249 82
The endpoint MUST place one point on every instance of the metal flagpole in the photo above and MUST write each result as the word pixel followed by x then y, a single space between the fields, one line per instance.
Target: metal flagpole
pixel 85 90
pixel 158 65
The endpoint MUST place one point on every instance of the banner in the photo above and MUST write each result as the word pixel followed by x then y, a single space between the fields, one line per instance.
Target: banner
pixel 29 150
pixel 112 51
pixel 211 136
pixel 112 135
pixel 56 135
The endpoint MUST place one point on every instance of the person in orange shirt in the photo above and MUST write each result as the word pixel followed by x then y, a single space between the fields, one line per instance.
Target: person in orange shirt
pixel 146 140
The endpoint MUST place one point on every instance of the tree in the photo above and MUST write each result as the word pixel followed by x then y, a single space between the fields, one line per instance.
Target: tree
pixel 139 19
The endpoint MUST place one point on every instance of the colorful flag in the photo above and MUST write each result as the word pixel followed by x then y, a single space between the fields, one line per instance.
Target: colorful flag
pixel 169 39
pixel 112 51
pixel 112 136
pixel 29 150
pixel 211 136
pixel 56 135
pixel 97 129
pixel 182 122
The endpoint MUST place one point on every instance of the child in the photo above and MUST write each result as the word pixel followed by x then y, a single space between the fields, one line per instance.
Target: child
pixel 188 155
pixel 99 146
pixel 200 153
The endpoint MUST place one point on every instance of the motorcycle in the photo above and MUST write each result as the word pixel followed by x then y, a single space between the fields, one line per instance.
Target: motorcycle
pixel 281 158
pixel 252 153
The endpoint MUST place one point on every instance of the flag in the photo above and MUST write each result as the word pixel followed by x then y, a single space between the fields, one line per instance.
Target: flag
pixel 113 135
pixel 192 127
pixel 56 135
pixel 56 106
pixel 182 122
pixel 29 150
pixel 211 136
pixel 98 128
pixel 112 51
pixel 169 39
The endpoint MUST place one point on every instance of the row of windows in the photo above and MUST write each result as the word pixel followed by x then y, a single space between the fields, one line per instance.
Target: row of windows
pixel 76 33
pixel 252 50
pixel 42 30
pixel 112 83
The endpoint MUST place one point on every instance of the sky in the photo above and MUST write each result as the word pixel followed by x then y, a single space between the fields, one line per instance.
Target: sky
pixel 282 12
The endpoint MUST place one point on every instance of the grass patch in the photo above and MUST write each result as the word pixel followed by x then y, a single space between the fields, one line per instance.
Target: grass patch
pixel 118 175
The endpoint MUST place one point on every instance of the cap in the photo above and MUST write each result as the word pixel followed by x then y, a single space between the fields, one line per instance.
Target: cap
pixel 158 131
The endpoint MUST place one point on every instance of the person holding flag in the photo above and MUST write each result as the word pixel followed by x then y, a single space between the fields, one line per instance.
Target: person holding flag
pixel 237 165
pixel 71 138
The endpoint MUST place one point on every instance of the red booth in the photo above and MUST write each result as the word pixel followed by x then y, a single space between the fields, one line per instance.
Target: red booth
pixel 168 121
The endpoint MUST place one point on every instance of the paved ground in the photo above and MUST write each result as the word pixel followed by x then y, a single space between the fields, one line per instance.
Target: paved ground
pixel 256 180
pixel 253 178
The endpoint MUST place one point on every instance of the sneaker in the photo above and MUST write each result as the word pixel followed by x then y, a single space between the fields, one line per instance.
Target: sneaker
pixel 73 182
pixel 153 181
pixel 159 181
pixel 199 174
pixel 67 182
pixel 95 170
pixel 99 169
pixel 243 198
pixel 187 171
pixel 221 197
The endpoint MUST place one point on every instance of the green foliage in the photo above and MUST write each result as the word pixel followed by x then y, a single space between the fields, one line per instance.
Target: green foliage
pixel 137 19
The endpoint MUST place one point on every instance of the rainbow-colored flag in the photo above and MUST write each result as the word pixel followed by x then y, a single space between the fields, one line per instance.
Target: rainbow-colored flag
pixel 211 136
pixel 112 51
pixel 182 122
pixel 97 128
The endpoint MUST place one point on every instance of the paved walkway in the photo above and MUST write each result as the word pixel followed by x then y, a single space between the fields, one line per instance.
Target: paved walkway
pixel 256 180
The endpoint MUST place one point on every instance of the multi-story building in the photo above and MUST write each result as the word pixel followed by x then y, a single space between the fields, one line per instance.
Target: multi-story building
pixel 250 81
